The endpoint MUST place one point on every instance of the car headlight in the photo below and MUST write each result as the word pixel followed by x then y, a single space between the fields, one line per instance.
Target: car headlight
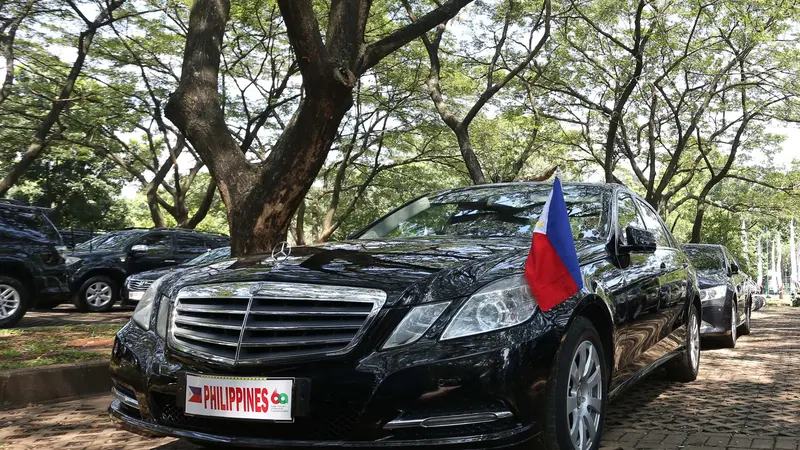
pixel 713 293
pixel 144 310
pixel 70 260
pixel 415 324
pixel 498 305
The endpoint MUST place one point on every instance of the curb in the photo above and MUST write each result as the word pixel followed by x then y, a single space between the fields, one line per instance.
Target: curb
pixel 22 387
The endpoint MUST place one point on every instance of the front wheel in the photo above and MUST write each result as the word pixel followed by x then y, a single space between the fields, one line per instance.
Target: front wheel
pixel 744 330
pixel 729 341
pixel 13 301
pixel 685 366
pixel 97 294
pixel 576 391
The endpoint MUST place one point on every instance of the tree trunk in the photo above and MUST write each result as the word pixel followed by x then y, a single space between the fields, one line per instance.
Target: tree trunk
pixel 205 206
pixel 155 212
pixel 468 154
pixel 262 200
pixel 698 222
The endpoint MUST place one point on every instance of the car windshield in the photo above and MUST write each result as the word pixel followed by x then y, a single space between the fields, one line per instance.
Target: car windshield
pixel 209 256
pixel 489 211
pixel 706 259
pixel 93 242
pixel 120 240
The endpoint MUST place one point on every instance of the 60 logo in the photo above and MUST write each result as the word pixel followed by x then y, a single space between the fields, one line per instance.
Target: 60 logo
pixel 277 398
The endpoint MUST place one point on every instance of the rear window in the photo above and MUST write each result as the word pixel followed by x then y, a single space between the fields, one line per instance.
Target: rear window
pixel 27 224
pixel 706 259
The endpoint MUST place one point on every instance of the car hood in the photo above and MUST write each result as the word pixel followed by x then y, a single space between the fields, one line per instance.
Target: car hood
pixel 706 279
pixel 410 271
pixel 157 273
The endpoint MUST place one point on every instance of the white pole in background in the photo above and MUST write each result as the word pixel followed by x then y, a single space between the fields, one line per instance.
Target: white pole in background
pixel 792 252
pixel 760 280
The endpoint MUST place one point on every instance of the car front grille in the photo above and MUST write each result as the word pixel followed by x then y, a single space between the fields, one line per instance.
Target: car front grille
pixel 249 323
pixel 139 285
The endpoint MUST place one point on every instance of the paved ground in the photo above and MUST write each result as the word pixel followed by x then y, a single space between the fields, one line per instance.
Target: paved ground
pixel 748 397
pixel 68 315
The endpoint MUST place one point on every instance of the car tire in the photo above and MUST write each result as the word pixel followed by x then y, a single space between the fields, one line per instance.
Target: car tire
pixel 729 341
pixel 14 301
pixel 686 366
pixel 744 329
pixel 586 392
pixel 97 294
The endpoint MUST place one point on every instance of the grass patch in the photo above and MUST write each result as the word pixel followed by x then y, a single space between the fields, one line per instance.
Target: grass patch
pixel 45 346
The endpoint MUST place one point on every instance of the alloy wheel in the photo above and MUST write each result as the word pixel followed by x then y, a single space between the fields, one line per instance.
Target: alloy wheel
pixel 584 396
pixel 733 323
pixel 694 341
pixel 9 301
pixel 98 294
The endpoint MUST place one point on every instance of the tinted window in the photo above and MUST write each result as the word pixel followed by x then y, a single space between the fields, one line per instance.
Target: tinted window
pixel 654 225
pixel 210 256
pixel 627 216
pixel 494 211
pixel 119 241
pixel 19 223
pixel 190 243
pixel 157 243
pixel 706 259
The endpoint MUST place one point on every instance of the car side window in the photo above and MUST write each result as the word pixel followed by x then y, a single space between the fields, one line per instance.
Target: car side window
pixel 654 225
pixel 157 243
pixel 190 244
pixel 627 215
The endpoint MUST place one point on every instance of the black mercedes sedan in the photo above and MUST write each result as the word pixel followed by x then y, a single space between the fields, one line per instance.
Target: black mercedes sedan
pixel 419 331
pixel 724 293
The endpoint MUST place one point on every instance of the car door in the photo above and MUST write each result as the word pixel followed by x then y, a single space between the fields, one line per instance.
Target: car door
pixel 640 300
pixel 673 273
pixel 156 253
pixel 188 246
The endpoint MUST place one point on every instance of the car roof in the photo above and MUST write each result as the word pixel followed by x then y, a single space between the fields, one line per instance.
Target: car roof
pixel 606 186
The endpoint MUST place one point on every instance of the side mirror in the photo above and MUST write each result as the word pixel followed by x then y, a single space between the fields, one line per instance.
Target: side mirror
pixel 139 248
pixel 734 269
pixel 639 240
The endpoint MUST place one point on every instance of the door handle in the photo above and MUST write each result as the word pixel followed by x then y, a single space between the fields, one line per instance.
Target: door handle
pixel 169 260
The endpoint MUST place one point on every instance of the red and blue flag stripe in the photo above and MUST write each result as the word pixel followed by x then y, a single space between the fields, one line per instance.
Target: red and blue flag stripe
pixel 552 268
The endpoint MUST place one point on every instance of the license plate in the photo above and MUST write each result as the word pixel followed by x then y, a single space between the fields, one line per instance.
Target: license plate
pixel 239 397
pixel 135 295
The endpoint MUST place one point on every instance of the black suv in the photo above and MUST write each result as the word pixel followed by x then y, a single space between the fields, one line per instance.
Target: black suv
pixel 31 265
pixel 99 273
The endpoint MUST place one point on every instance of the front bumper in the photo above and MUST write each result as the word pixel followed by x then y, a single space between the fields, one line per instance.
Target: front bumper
pixel 716 318
pixel 126 296
pixel 350 402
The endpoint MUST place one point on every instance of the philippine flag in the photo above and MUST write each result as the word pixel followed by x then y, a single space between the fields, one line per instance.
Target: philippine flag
pixel 196 394
pixel 552 268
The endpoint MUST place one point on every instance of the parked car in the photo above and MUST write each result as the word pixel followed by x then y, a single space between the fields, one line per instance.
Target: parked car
pixel 99 274
pixel 136 285
pixel 32 267
pixel 420 331
pixel 723 291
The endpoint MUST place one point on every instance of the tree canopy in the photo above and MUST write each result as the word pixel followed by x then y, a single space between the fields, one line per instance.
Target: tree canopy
pixel 306 120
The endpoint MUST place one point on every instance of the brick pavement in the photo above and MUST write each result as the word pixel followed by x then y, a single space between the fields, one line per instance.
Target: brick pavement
pixel 68 315
pixel 748 397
